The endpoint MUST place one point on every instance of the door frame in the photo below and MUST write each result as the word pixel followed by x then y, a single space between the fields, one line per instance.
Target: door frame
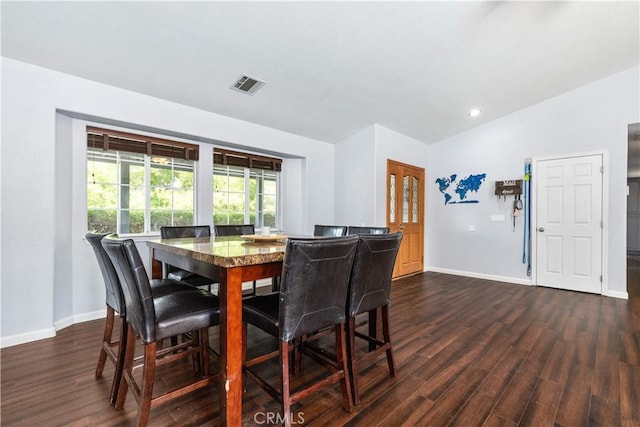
pixel 422 209
pixel 605 213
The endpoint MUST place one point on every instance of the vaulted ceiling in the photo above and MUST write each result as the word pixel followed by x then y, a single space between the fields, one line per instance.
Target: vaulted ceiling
pixel 334 68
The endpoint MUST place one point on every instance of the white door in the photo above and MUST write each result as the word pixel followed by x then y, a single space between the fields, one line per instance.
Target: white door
pixel 569 223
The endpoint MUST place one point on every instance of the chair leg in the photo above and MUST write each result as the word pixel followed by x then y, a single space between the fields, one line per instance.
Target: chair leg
pixel 128 367
pixel 373 327
pixel 275 284
pixel 341 356
pixel 106 340
pixel 297 355
pixel 204 344
pixel 244 355
pixel 197 357
pixel 284 369
pixel 387 340
pixel 351 358
pixel 244 343
pixel 146 393
pixel 117 375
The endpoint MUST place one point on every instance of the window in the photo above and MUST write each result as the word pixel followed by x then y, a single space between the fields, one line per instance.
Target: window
pixel 136 184
pixel 245 189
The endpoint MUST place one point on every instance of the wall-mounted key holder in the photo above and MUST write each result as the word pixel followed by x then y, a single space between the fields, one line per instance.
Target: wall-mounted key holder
pixel 509 188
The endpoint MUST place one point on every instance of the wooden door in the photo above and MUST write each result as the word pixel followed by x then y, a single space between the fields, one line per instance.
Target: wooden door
pixel 569 223
pixel 405 213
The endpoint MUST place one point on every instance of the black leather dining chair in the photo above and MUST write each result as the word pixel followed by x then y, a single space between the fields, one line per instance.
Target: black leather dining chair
pixel 113 349
pixel 312 297
pixel 175 273
pixel 329 230
pixel 237 230
pixel 154 318
pixel 234 230
pixel 115 305
pixel 353 229
pixel 369 290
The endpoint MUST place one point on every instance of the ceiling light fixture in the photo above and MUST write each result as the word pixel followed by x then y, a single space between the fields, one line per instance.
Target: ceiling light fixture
pixel 474 112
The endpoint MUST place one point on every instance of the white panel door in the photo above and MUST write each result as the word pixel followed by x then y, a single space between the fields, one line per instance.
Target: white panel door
pixel 569 223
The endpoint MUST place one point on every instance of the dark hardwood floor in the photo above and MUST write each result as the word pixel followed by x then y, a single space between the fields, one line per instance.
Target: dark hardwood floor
pixel 469 352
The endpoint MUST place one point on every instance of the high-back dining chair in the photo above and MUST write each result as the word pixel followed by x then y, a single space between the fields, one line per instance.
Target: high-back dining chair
pixel 369 290
pixel 353 229
pixel 236 230
pixel 154 318
pixel 175 273
pixel 109 348
pixel 114 349
pixel 312 297
pixel 329 230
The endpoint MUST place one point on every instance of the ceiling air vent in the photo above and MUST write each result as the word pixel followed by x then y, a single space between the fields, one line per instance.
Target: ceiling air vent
pixel 248 85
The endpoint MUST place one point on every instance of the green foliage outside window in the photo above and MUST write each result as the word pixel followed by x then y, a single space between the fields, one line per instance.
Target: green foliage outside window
pixel 237 190
pixel 117 188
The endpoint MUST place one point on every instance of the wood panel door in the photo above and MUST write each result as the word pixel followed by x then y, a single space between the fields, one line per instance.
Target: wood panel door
pixel 569 223
pixel 405 213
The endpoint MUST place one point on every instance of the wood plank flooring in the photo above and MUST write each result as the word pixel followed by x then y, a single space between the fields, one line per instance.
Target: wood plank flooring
pixel 469 352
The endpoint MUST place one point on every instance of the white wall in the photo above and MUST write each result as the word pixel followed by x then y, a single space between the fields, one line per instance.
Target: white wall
pixel 591 118
pixel 355 183
pixel 361 172
pixel 35 186
pixel 62 280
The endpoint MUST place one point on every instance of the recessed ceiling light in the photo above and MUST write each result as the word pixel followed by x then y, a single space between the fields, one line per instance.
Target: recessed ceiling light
pixel 474 112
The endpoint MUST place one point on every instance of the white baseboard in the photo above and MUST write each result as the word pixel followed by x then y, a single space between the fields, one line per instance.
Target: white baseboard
pixel 50 332
pixel 80 318
pixel 613 294
pixel 481 276
pixel 616 294
pixel 260 283
pixel 28 337
pixel 63 323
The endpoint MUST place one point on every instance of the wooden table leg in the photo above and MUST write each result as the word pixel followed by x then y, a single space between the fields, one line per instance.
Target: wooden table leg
pixel 156 267
pixel 230 294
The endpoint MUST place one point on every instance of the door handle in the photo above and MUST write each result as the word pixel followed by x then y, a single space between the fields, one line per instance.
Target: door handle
pixel 541 229
pixel 401 227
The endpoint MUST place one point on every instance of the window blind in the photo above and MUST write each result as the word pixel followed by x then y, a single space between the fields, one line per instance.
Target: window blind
pixel 252 161
pixel 107 139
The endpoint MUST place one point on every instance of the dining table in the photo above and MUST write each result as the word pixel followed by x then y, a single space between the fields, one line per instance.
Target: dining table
pixel 228 261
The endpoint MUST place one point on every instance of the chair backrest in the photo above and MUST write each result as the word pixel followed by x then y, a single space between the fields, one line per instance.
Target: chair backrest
pixel 175 232
pixel 330 230
pixel 133 277
pixel 315 278
pixel 352 229
pixel 234 230
pixel 114 297
pixel 370 283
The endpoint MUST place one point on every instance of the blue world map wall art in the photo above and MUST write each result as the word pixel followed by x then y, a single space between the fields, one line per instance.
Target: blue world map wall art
pixel 457 190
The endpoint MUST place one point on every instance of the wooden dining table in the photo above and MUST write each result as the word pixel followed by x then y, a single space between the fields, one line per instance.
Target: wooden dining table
pixel 229 261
